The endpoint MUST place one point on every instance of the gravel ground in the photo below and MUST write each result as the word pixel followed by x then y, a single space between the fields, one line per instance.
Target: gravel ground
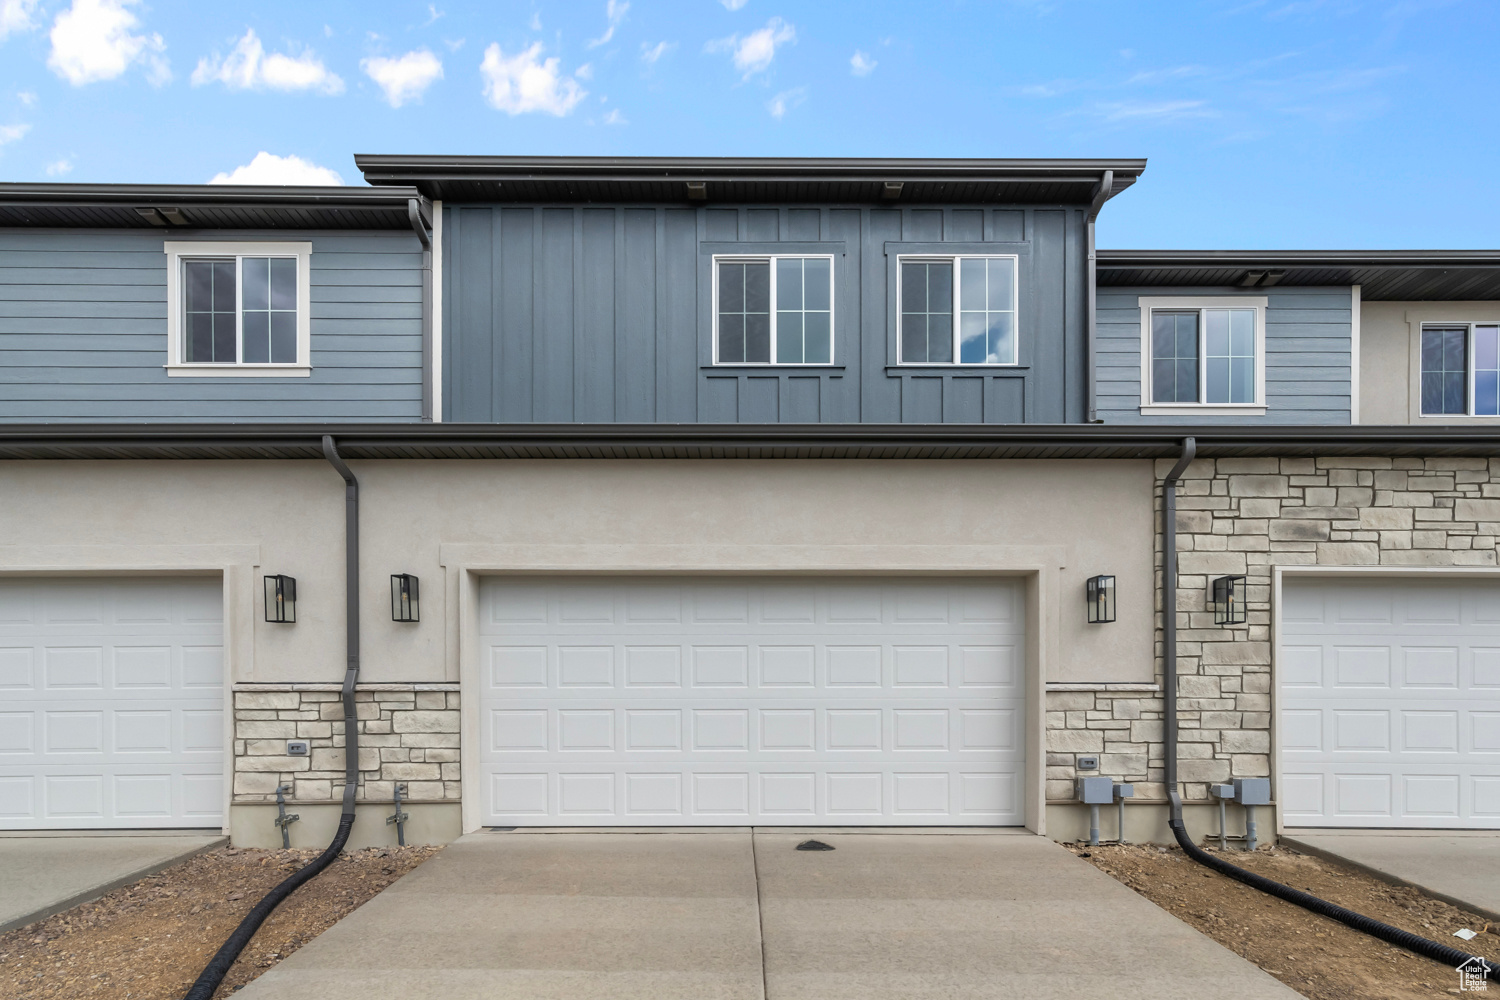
pixel 149 940
pixel 1317 957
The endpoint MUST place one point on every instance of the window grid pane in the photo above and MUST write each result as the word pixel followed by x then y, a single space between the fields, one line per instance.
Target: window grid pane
pixel 744 312
pixel 1444 370
pixel 208 312
pixel 1487 371
pixel 927 311
pixel 1230 355
pixel 988 319
pixel 270 287
pixel 1174 357
pixel 803 316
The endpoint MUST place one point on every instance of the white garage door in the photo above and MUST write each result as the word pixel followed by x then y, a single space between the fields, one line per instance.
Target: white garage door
pixel 1390 704
pixel 733 701
pixel 111 703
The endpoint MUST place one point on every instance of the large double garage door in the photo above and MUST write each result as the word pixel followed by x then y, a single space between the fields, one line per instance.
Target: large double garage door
pixel 111 703
pixel 719 701
pixel 1389 711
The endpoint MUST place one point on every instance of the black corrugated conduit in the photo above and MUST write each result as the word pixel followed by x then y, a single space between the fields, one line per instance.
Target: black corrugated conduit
pixel 218 967
pixel 1453 957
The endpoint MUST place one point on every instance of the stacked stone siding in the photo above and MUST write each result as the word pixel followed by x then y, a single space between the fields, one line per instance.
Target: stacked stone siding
pixel 1246 516
pixel 407 733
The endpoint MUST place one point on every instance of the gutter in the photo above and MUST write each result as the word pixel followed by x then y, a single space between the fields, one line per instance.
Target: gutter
pixel 1102 193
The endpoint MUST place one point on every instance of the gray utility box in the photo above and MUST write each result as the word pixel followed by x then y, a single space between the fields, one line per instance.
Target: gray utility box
pixel 1252 791
pixel 1096 791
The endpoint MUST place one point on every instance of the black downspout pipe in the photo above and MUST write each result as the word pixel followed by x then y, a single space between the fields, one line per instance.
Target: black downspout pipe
pixel 1102 193
pixel 419 225
pixel 1452 957
pixel 218 967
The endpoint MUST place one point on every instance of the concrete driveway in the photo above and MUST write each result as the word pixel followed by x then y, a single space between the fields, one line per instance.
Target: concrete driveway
pixel 42 873
pixel 1460 866
pixel 733 914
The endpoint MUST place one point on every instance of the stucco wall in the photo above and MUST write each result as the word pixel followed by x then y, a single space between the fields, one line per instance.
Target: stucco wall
pixel 1389 368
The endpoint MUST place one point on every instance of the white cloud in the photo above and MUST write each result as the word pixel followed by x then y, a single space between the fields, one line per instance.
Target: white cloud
pixel 12 133
pixel 536 20
pixel 585 72
pixel 268 168
pixel 614 10
pixel 651 53
pixel 754 52
pixel 433 14
pixel 92 40
pixel 615 118
pixel 15 15
pixel 1157 111
pixel 405 78
pixel 26 97
pixel 733 4
pixel 58 168
pixel 785 101
pixel 525 82
pixel 860 64
pixel 249 68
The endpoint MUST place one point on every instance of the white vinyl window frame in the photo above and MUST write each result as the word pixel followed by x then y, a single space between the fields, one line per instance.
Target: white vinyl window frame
pixel 179 252
pixel 1198 304
pixel 771 259
pixel 956 260
pixel 1471 369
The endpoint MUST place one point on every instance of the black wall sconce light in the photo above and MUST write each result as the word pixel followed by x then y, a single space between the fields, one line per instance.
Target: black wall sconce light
pixel 1099 591
pixel 281 599
pixel 405 605
pixel 1229 600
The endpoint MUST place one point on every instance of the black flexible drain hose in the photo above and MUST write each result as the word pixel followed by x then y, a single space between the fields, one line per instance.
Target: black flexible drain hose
pixel 218 967
pixel 1368 925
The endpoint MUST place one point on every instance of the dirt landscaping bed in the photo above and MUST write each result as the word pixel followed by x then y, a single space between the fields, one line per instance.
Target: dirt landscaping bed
pixel 1317 957
pixel 149 940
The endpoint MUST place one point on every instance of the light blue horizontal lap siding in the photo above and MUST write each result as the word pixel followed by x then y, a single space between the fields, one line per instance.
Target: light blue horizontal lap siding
pixel 83 332
pixel 601 313
pixel 1307 355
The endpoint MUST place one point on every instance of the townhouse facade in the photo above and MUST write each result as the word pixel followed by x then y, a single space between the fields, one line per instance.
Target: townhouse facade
pixel 757 492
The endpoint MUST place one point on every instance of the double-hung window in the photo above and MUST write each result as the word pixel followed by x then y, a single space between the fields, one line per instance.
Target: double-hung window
pixel 957 310
pixel 1460 370
pixel 773 310
pixel 238 308
pixel 1200 354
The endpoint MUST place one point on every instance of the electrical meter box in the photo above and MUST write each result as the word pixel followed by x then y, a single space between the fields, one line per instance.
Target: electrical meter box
pixel 1252 791
pixel 1096 791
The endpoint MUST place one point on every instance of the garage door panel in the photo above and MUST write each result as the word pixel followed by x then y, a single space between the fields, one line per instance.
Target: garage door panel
pixel 113 703
pixel 1390 704
pixel 728 702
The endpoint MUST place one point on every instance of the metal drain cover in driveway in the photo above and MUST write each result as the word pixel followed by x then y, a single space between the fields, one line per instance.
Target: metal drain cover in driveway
pixel 814 845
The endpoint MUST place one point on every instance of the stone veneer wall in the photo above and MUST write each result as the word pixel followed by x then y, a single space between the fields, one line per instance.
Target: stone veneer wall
pixel 1245 516
pixel 407 733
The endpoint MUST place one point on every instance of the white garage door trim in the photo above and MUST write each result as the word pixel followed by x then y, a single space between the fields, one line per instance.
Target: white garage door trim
pixel 111 703
pixel 729 701
pixel 1388 699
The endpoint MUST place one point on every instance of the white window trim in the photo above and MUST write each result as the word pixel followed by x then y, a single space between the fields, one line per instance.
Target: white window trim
pixel 1182 303
pixel 771 259
pixel 1015 296
pixel 178 251
pixel 1469 370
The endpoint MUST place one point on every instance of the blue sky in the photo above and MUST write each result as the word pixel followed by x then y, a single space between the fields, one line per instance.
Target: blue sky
pixel 1267 123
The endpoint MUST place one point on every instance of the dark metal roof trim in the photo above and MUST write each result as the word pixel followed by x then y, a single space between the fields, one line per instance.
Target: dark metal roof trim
pixel 525 178
pixel 740 441
pixel 203 206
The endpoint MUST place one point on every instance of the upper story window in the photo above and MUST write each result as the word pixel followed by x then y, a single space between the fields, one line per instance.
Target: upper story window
pixel 238 308
pixel 1461 370
pixel 773 310
pixel 1201 354
pixel 978 292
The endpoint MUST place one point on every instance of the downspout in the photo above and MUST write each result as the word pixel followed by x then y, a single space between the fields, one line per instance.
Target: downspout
pixel 414 213
pixel 1102 194
pixel 213 973
pixel 1452 957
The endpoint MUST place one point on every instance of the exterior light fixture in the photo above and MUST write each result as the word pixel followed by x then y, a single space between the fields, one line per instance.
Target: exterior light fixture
pixel 404 594
pixel 281 599
pixel 1229 600
pixel 1099 591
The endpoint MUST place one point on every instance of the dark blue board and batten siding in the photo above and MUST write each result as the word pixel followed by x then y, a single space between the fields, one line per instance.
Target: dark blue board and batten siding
pixel 83 331
pixel 1308 350
pixel 603 314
